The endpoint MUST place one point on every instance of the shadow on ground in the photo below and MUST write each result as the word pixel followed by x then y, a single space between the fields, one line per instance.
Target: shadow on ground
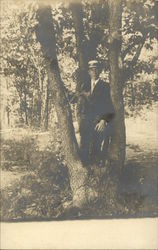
pixel 43 192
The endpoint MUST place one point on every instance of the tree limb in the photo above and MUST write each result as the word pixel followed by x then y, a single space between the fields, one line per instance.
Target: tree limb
pixel 128 48
pixel 129 72
pixel 138 51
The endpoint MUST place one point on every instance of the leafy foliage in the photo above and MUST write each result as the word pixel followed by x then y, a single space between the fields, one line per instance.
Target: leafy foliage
pixel 43 190
pixel 23 63
pixel 17 153
pixel 24 66
pixel 39 195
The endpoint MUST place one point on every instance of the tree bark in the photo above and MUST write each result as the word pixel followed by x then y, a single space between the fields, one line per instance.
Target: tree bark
pixel 21 112
pixel 78 174
pixel 25 109
pixel 8 108
pixel 77 14
pixel 130 71
pixel 46 107
pixel 86 49
pixel 117 148
pixel 83 78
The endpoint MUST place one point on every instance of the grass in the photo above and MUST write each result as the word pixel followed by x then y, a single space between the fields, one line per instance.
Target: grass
pixel 42 191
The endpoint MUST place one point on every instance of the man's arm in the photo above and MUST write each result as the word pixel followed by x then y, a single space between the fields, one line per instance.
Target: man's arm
pixel 108 117
pixel 104 119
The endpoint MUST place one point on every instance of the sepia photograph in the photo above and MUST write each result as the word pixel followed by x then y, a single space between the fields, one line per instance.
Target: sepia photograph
pixel 79 110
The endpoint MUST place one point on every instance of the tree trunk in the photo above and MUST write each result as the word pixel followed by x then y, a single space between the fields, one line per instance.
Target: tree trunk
pixel 8 105
pixel 117 149
pixel 31 113
pixel 78 174
pixel 25 109
pixel 46 107
pixel 21 112
pixel 39 108
pixel 40 91
pixel 86 49
pixel 8 117
pixel 77 14
pixel 107 187
pixel 83 79
pixel 132 95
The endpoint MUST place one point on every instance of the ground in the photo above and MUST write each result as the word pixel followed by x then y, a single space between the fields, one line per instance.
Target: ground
pixel 44 193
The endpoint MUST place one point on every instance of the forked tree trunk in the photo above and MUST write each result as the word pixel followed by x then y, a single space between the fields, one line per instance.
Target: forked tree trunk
pixel 117 150
pixel 78 174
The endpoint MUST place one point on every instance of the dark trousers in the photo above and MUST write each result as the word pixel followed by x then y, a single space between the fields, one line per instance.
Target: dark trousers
pixel 86 134
pixel 94 144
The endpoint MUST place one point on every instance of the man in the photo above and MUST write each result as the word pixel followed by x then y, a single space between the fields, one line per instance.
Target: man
pixel 96 112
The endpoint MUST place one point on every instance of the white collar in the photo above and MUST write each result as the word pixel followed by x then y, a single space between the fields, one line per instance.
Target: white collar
pixel 96 81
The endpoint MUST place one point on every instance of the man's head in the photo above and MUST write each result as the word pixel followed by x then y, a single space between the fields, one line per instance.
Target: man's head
pixel 93 69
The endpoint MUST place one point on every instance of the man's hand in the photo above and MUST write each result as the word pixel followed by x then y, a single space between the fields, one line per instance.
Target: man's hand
pixel 100 126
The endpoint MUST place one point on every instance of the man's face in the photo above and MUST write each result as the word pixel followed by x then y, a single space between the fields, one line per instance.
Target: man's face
pixel 94 73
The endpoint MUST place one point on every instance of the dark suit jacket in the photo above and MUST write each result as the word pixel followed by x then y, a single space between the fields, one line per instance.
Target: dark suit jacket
pixel 94 107
pixel 100 103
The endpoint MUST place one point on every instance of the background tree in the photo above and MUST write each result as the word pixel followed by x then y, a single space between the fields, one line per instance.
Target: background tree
pixel 139 33
pixel 24 64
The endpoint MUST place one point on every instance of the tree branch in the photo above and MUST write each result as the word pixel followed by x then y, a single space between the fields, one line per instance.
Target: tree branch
pixel 138 51
pixel 129 72
pixel 128 48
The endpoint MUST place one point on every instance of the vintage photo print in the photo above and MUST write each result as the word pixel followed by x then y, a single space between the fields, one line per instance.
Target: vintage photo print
pixel 79 106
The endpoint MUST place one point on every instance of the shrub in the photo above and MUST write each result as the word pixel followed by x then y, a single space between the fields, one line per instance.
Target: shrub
pixel 39 195
pixel 17 152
